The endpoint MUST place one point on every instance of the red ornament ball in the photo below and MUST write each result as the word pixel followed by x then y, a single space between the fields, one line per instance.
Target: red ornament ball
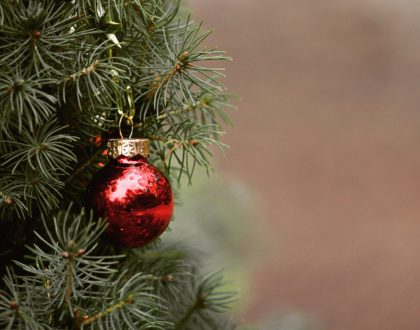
pixel 136 199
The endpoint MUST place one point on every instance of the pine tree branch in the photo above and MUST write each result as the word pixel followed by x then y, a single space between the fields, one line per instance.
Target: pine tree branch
pixel 69 283
pixel 177 143
pixel 119 305
pixel 84 72
pixel 90 161
pixel 159 82
pixel 188 108
pixel 190 311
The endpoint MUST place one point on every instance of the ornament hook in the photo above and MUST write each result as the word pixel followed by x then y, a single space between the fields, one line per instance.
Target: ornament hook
pixel 130 115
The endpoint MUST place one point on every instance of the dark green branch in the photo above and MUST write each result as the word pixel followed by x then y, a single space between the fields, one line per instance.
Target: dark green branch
pixel 83 166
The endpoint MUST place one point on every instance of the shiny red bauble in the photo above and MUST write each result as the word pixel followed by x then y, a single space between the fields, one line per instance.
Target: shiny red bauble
pixel 136 199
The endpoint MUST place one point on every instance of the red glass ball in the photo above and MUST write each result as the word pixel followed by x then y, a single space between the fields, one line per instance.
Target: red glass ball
pixel 136 199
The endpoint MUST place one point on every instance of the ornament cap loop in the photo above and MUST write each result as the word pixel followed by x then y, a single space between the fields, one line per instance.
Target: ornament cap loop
pixel 128 147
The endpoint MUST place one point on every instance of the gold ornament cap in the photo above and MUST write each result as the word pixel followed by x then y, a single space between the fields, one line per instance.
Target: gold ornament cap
pixel 128 147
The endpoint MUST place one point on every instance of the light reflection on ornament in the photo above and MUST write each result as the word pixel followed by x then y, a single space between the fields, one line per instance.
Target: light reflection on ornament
pixel 131 183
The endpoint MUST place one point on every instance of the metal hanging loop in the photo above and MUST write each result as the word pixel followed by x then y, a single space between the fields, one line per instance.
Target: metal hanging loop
pixel 130 115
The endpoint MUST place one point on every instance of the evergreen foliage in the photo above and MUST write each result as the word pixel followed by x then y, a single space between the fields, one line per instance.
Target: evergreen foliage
pixel 72 74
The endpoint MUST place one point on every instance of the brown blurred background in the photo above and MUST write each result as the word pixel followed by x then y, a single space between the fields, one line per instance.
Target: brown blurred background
pixel 326 138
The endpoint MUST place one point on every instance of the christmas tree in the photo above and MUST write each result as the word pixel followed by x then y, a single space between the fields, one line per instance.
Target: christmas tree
pixel 74 76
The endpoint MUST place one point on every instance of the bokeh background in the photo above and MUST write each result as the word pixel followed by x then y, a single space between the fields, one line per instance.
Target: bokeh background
pixel 315 213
